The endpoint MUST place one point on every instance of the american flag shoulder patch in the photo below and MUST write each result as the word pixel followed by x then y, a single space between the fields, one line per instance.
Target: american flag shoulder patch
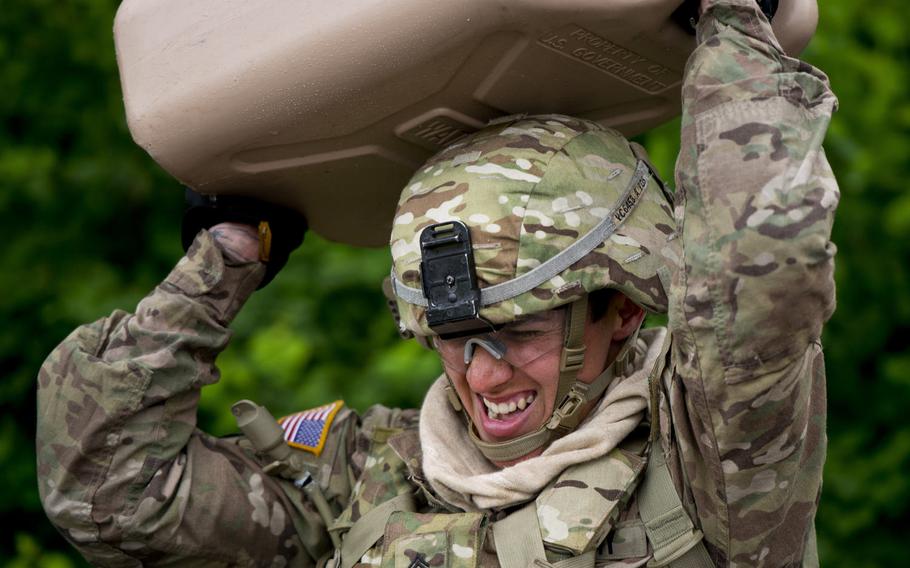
pixel 308 430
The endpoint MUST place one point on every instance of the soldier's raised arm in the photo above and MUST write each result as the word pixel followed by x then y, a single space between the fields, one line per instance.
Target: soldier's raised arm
pixel 124 473
pixel 756 199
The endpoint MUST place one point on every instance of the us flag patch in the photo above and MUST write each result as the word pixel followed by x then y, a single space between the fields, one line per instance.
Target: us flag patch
pixel 307 430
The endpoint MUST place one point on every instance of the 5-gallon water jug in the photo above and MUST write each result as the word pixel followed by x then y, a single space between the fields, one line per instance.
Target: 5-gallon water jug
pixel 329 106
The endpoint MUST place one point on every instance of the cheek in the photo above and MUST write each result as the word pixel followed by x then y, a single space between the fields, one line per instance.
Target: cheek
pixel 461 388
pixel 543 377
pixel 464 391
pixel 597 351
pixel 595 363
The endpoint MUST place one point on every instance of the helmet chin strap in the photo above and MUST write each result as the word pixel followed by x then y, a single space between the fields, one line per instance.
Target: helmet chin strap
pixel 571 395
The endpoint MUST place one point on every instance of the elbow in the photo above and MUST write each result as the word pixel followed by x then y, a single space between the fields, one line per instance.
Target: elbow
pixel 70 445
pixel 820 291
pixel 777 315
pixel 66 479
pixel 70 514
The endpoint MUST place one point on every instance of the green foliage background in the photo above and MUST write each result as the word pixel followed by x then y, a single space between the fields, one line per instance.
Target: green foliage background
pixel 91 225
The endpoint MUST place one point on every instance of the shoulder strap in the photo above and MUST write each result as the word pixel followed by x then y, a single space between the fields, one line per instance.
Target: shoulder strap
pixel 673 536
pixel 654 377
pixel 364 533
pixel 518 543
pixel 675 540
pixel 383 489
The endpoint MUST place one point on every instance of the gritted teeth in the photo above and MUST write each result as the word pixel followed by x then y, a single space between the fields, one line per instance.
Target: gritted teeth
pixel 498 409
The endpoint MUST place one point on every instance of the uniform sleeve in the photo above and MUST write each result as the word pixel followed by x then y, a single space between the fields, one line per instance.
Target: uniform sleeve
pixel 124 473
pixel 755 200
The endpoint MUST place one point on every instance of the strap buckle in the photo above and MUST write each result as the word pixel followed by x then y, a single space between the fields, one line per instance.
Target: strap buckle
pixel 567 414
pixel 572 358
pixel 265 241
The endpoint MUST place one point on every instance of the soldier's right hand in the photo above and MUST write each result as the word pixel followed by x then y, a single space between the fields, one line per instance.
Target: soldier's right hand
pixel 238 240
pixel 249 228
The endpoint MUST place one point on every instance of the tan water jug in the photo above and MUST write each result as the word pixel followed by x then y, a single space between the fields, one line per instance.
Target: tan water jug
pixel 329 106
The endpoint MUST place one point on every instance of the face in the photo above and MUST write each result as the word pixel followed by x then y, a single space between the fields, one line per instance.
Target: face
pixel 508 399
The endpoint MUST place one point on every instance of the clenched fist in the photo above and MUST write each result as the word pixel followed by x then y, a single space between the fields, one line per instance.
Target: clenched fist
pixel 238 240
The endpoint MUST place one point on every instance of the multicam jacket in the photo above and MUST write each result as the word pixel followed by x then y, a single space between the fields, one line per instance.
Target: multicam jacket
pixel 129 480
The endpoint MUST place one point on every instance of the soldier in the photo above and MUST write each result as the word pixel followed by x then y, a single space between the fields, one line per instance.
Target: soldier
pixel 560 434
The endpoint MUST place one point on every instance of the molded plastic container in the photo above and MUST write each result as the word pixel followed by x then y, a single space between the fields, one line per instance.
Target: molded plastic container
pixel 329 107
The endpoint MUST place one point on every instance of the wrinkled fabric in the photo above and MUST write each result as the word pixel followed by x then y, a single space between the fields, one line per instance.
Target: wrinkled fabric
pixel 129 480
pixel 755 205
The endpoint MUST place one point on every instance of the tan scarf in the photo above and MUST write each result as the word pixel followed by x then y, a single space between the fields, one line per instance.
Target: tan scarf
pixel 459 473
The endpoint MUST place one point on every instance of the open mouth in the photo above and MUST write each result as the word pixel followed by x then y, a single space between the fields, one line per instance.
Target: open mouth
pixel 501 410
pixel 505 417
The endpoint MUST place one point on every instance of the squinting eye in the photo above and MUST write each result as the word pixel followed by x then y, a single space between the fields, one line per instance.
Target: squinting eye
pixel 528 333
pixel 525 334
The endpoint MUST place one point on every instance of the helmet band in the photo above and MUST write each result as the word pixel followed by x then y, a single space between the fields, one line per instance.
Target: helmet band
pixel 559 262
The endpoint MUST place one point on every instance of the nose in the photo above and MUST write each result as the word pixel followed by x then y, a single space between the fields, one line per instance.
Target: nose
pixel 485 373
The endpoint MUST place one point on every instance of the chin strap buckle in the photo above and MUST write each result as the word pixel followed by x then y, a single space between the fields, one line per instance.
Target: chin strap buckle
pixel 567 415
pixel 572 359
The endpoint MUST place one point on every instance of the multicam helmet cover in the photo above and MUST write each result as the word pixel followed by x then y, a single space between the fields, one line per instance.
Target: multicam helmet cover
pixel 529 189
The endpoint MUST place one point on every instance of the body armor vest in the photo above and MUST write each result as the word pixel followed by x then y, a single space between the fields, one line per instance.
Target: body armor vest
pixel 591 515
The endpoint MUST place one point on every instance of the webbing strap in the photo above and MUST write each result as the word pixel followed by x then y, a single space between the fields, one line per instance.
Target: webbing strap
pixel 585 560
pixel 695 557
pixel 513 449
pixel 519 543
pixel 573 348
pixel 654 378
pixel 562 260
pixel 517 538
pixel 370 527
pixel 675 540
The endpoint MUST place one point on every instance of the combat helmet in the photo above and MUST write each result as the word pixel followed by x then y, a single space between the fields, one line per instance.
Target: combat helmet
pixel 523 216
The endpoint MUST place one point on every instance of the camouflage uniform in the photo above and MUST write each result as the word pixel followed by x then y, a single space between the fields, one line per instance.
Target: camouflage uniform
pixel 129 480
